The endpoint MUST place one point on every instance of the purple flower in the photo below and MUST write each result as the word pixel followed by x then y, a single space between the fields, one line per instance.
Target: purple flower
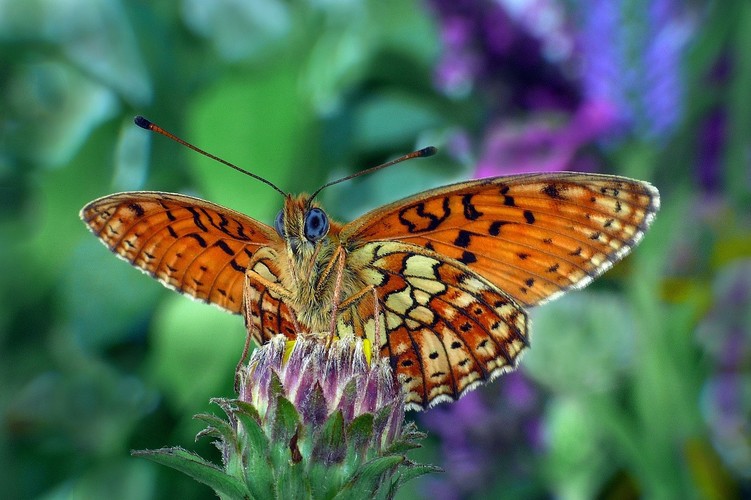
pixel 485 432
pixel 725 334
pixel 541 144
pixel 619 75
pixel 320 380
pixel 630 56
pixel 513 52
pixel 713 132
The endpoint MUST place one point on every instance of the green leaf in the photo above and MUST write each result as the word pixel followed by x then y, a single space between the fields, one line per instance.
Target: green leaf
pixel 259 474
pixel 369 478
pixel 330 444
pixel 594 331
pixel 411 471
pixel 409 440
pixel 360 432
pixel 199 469
pixel 327 456
pixel 250 432
pixel 217 427
pixel 276 388
pixel 284 420
pixel 314 409
pixel 348 398
pixel 387 118
pixel 246 409
pixel 293 482
pixel 380 422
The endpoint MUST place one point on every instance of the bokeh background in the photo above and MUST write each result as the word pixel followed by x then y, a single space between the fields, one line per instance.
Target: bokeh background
pixel 638 386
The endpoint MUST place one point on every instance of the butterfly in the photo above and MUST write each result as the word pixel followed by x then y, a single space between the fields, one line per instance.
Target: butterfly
pixel 439 282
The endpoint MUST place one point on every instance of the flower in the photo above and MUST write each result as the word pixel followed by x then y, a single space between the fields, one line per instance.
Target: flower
pixel 725 336
pixel 488 440
pixel 515 51
pixel 311 421
pixel 542 143
pixel 320 381
pixel 632 61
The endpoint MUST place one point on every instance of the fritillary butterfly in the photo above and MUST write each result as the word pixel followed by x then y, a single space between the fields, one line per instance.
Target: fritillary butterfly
pixel 439 281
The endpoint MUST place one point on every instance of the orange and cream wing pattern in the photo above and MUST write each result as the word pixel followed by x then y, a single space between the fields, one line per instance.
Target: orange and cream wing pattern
pixel 192 246
pixel 444 327
pixel 534 236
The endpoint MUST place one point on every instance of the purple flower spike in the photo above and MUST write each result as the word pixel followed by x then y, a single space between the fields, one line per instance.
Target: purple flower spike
pixel 634 62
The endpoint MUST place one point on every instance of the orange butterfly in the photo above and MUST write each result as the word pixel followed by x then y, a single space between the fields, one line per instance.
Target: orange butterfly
pixel 437 281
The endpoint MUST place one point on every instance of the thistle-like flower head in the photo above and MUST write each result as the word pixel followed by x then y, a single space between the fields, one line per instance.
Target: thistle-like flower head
pixel 312 420
pixel 320 380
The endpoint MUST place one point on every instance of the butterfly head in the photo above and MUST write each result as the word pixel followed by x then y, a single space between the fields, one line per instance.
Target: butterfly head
pixel 302 224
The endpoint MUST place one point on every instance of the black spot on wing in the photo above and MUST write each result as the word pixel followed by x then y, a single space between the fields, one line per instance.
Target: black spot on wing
pixel 225 247
pixel 198 238
pixel 427 221
pixel 495 227
pixel 137 209
pixel 462 239
pixel 468 257
pixel 237 267
pixel 470 211
pixel 197 219
pixel 553 191
pixel 507 200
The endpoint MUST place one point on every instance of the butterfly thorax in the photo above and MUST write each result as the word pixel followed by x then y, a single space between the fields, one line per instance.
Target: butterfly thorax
pixel 312 268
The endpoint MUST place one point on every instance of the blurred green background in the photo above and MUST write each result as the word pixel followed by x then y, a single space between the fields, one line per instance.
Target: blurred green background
pixel 638 386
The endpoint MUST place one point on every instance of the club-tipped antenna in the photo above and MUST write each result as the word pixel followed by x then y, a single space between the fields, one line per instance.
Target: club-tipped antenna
pixel 144 123
pixel 420 153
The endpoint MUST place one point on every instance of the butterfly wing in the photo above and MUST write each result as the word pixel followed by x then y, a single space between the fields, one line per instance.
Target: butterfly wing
pixel 192 246
pixel 266 313
pixel 445 328
pixel 534 236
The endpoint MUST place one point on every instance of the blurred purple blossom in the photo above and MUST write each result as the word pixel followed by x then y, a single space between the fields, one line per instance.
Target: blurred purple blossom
pixel 487 437
pixel 619 75
pixel 631 53
pixel 542 144
pixel 711 144
pixel 513 55
pixel 725 334
pixel 713 132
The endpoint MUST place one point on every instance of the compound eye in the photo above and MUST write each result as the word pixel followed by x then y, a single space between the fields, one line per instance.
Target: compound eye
pixel 279 223
pixel 316 224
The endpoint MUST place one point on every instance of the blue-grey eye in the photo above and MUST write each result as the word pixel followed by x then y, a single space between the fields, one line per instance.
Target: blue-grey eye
pixel 279 223
pixel 316 224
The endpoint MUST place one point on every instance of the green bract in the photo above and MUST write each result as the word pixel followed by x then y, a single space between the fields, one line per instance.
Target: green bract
pixel 313 422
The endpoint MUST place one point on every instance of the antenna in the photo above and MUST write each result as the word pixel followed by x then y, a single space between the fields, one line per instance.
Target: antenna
pixel 420 153
pixel 146 124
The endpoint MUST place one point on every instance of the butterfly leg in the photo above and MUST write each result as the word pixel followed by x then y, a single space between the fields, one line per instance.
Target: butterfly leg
pixel 339 258
pixel 356 297
pixel 254 288
pixel 243 358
